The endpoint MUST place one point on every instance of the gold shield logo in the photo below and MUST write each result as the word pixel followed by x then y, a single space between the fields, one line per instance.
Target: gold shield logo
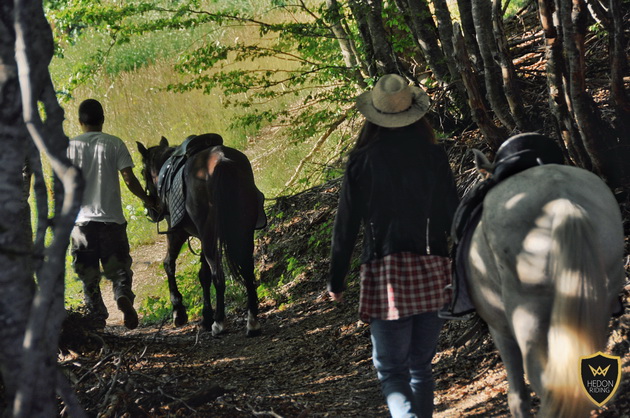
pixel 600 375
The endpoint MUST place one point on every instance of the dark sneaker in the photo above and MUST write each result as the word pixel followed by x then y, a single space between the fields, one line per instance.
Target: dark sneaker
pixel 130 314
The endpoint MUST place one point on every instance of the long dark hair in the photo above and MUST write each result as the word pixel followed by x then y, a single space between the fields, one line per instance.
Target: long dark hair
pixel 372 132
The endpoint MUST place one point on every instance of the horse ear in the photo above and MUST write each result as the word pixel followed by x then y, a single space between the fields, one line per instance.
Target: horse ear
pixel 143 150
pixel 484 166
pixel 164 142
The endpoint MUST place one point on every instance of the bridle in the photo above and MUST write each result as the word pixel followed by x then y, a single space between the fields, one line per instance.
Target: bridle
pixel 156 214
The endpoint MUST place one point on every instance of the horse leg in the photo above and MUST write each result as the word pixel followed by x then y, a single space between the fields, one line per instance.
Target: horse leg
pixel 218 279
pixel 242 256
pixel 518 393
pixel 205 279
pixel 175 241
pixel 253 325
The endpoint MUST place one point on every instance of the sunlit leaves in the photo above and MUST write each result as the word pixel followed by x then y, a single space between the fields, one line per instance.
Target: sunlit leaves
pixel 295 61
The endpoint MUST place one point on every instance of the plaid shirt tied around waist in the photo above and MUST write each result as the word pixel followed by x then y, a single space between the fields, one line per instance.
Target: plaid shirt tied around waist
pixel 403 284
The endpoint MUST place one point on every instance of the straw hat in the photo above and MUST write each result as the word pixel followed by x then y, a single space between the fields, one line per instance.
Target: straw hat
pixel 393 103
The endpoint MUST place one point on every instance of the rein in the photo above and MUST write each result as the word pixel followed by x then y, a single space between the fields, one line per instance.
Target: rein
pixel 190 248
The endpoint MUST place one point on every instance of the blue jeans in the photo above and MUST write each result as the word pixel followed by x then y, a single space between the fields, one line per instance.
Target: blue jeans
pixel 402 352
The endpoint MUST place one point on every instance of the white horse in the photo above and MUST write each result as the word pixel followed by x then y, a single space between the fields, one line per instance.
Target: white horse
pixel 545 268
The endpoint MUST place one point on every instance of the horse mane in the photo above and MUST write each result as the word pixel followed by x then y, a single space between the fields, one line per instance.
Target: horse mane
pixel 160 155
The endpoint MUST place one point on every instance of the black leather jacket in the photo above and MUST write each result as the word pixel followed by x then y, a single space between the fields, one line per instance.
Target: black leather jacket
pixel 403 192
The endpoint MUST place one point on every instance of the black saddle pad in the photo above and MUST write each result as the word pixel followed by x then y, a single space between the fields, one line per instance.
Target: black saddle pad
pixel 172 191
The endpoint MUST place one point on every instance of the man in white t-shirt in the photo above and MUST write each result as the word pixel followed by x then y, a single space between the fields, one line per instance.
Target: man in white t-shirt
pixel 99 237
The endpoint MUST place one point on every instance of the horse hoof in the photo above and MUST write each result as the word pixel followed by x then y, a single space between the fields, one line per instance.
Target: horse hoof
pixel 217 328
pixel 180 320
pixel 254 332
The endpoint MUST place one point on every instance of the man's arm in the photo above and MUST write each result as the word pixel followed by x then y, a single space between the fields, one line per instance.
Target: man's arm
pixel 134 186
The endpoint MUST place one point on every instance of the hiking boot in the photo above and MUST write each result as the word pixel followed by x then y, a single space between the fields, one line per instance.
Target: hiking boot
pixel 129 313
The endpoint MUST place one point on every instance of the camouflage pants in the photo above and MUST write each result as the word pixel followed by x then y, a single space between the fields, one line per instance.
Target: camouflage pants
pixel 96 244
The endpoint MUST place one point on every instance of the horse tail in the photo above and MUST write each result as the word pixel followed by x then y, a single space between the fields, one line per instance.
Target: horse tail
pixel 233 200
pixel 578 318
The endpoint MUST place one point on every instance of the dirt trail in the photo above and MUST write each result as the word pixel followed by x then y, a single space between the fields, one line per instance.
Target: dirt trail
pixel 147 274
pixel 313 359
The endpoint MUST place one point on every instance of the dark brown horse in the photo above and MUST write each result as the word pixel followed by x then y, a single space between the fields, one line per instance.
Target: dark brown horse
pixel 220 205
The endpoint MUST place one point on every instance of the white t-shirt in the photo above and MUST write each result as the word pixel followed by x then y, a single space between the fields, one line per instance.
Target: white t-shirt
pixel 100 157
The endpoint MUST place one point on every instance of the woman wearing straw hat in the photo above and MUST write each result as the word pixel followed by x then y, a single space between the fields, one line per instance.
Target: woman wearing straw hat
pixel 399 185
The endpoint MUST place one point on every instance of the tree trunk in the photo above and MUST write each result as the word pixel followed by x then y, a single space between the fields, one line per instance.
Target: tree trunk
pixel 470 35
pixel 385 61
pixel 494 135
pixel 16 271
pixel 345 43
pixel 510 83
pixel 445 30
pixel 360 12
pixel 482 15
pixel 593 133
pixel 618 68
pixel 421 71
pixel 30 322
pixel 425 33
pixel 555 81
pixel 599 14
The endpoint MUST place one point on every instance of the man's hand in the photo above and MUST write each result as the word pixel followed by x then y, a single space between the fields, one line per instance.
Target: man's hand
pixel 336 297
pixel 151 202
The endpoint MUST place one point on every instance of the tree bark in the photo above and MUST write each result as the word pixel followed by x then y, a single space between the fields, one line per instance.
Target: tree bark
pixel 470 35
pixel 445 30
pixel 510 82
pixel 593 133
pixel 556 81
pixel 16 270
pixel 425 32
pixel 360 12
pixel 482 15
pixel 494 135
pixel 618 68
pixel 30 322
pixel 385 61
pixel 345 43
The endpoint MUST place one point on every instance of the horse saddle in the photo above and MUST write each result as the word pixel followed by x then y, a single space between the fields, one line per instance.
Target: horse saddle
pixel 517 154
pixel 171 186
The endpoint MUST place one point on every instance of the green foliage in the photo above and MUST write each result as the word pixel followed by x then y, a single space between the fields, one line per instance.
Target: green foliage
pixel 514 6
pixel 157 307
pixel 288 59
pixel 270 292
pixel 401 38
pixel 74 288
pixel 139 229
pixel 321 236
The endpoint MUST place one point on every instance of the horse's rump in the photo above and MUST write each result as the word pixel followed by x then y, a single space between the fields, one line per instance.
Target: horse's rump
pixel 233 199
pixel 545 269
